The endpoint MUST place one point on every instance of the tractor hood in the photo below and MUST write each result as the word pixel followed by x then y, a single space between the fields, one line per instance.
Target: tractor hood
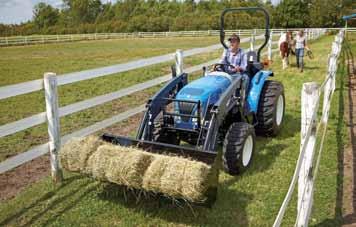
pixel 202 88
pixel 207 90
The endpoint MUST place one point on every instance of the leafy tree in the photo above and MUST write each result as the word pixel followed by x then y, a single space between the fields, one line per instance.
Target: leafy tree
pixel 83 11
pixel 292 13
pixel 44 15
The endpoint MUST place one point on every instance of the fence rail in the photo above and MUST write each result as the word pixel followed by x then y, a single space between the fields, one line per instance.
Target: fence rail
pixel 307 166
pixel 24 88
pixel 42 39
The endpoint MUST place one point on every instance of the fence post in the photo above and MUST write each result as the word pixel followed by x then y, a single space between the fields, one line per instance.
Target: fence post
pixel 7 41
pixel 328 90
pixel 50 86
pixel 270 46
pixel 179 62
pixel 310 97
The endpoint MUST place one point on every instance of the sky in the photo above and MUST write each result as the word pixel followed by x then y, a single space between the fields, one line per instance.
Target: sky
pixel 17 11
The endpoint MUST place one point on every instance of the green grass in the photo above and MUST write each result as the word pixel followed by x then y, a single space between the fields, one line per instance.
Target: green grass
pixel 252 199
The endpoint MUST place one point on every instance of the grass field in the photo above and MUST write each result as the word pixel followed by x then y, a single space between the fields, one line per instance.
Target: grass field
pixel 21 64
pixel 252 199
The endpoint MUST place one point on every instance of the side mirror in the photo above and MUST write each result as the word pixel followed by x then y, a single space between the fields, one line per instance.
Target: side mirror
pixel 205 71
pixel 174 72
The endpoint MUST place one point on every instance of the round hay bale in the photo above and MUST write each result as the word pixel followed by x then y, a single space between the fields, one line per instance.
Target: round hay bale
pixel 128 166
pixel 154 173
pixel 98 162
pixel 196 181
pixel 75 154
pixel 177 177
pixel 173 175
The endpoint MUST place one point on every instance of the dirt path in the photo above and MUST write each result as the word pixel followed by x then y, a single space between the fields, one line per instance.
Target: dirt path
pixel 349 159
pixel 14 181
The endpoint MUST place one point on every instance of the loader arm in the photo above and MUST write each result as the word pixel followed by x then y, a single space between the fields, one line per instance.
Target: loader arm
pixel 155 104
pixel 227 101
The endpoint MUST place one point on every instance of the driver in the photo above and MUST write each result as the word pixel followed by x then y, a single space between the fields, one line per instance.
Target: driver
pixel 237 58
pixel 234 56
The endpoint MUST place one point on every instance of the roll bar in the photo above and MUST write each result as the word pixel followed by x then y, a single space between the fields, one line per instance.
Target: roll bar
pixel 222 31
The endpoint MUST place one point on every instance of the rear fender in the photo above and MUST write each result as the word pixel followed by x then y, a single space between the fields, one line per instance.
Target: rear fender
pixel 256 86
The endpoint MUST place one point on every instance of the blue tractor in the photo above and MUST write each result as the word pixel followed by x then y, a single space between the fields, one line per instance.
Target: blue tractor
pixel 193 119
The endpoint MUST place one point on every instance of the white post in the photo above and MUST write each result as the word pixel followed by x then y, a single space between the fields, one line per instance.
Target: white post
pixel 270 46
pixel 50 86
pixel 179 62
pixel 310 97
pixel 7 41
pixel 252 40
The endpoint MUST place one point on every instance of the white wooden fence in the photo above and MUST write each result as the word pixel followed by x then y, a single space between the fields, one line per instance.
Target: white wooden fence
pixel 53 113
pixel 307 166
pixel 41 39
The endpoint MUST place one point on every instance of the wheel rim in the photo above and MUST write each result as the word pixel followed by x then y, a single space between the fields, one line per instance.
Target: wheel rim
pixel 247 151
pixel 280 110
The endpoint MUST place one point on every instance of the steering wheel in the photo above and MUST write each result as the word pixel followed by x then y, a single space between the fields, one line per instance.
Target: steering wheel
pixel 222 67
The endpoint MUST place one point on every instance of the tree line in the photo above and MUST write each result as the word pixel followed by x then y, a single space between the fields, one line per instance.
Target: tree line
pixel 92 16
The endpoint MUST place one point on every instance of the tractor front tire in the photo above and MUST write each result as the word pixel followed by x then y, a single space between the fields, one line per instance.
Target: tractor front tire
pixel 271 109
pixel 238 148
pixel 163 136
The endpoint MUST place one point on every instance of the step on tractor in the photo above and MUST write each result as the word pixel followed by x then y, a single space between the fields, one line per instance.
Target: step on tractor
pixel 215 117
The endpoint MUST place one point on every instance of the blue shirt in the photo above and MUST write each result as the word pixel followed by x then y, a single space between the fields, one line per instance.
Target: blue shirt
pixel 235 59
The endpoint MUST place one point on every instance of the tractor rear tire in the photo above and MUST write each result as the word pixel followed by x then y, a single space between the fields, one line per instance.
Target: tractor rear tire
pixel 271 109
pixel 238 148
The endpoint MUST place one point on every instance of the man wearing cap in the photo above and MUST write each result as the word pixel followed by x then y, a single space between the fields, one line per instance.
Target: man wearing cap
pixel 234 56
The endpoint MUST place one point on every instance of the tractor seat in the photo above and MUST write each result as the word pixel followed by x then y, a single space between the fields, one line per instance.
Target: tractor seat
pixel 252 65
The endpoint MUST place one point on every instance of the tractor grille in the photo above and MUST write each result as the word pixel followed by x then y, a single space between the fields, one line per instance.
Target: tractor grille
pixel 186 108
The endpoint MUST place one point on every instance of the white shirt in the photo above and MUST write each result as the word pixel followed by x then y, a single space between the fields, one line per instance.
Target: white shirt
pixel 299 41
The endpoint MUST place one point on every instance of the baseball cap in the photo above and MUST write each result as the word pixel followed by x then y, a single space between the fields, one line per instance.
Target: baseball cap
pixel 234 37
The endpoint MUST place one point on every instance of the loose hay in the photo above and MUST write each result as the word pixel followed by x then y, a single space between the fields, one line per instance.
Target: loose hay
pixel 172 176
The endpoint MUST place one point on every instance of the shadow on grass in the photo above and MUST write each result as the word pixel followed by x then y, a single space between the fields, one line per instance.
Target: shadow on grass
pixel 290 127
pixel 228 210
pixel 269 148
pixel 344 71
pixel 49 200
pixel 350 218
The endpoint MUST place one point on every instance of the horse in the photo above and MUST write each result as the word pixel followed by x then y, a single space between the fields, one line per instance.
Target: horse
pixel 285 47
